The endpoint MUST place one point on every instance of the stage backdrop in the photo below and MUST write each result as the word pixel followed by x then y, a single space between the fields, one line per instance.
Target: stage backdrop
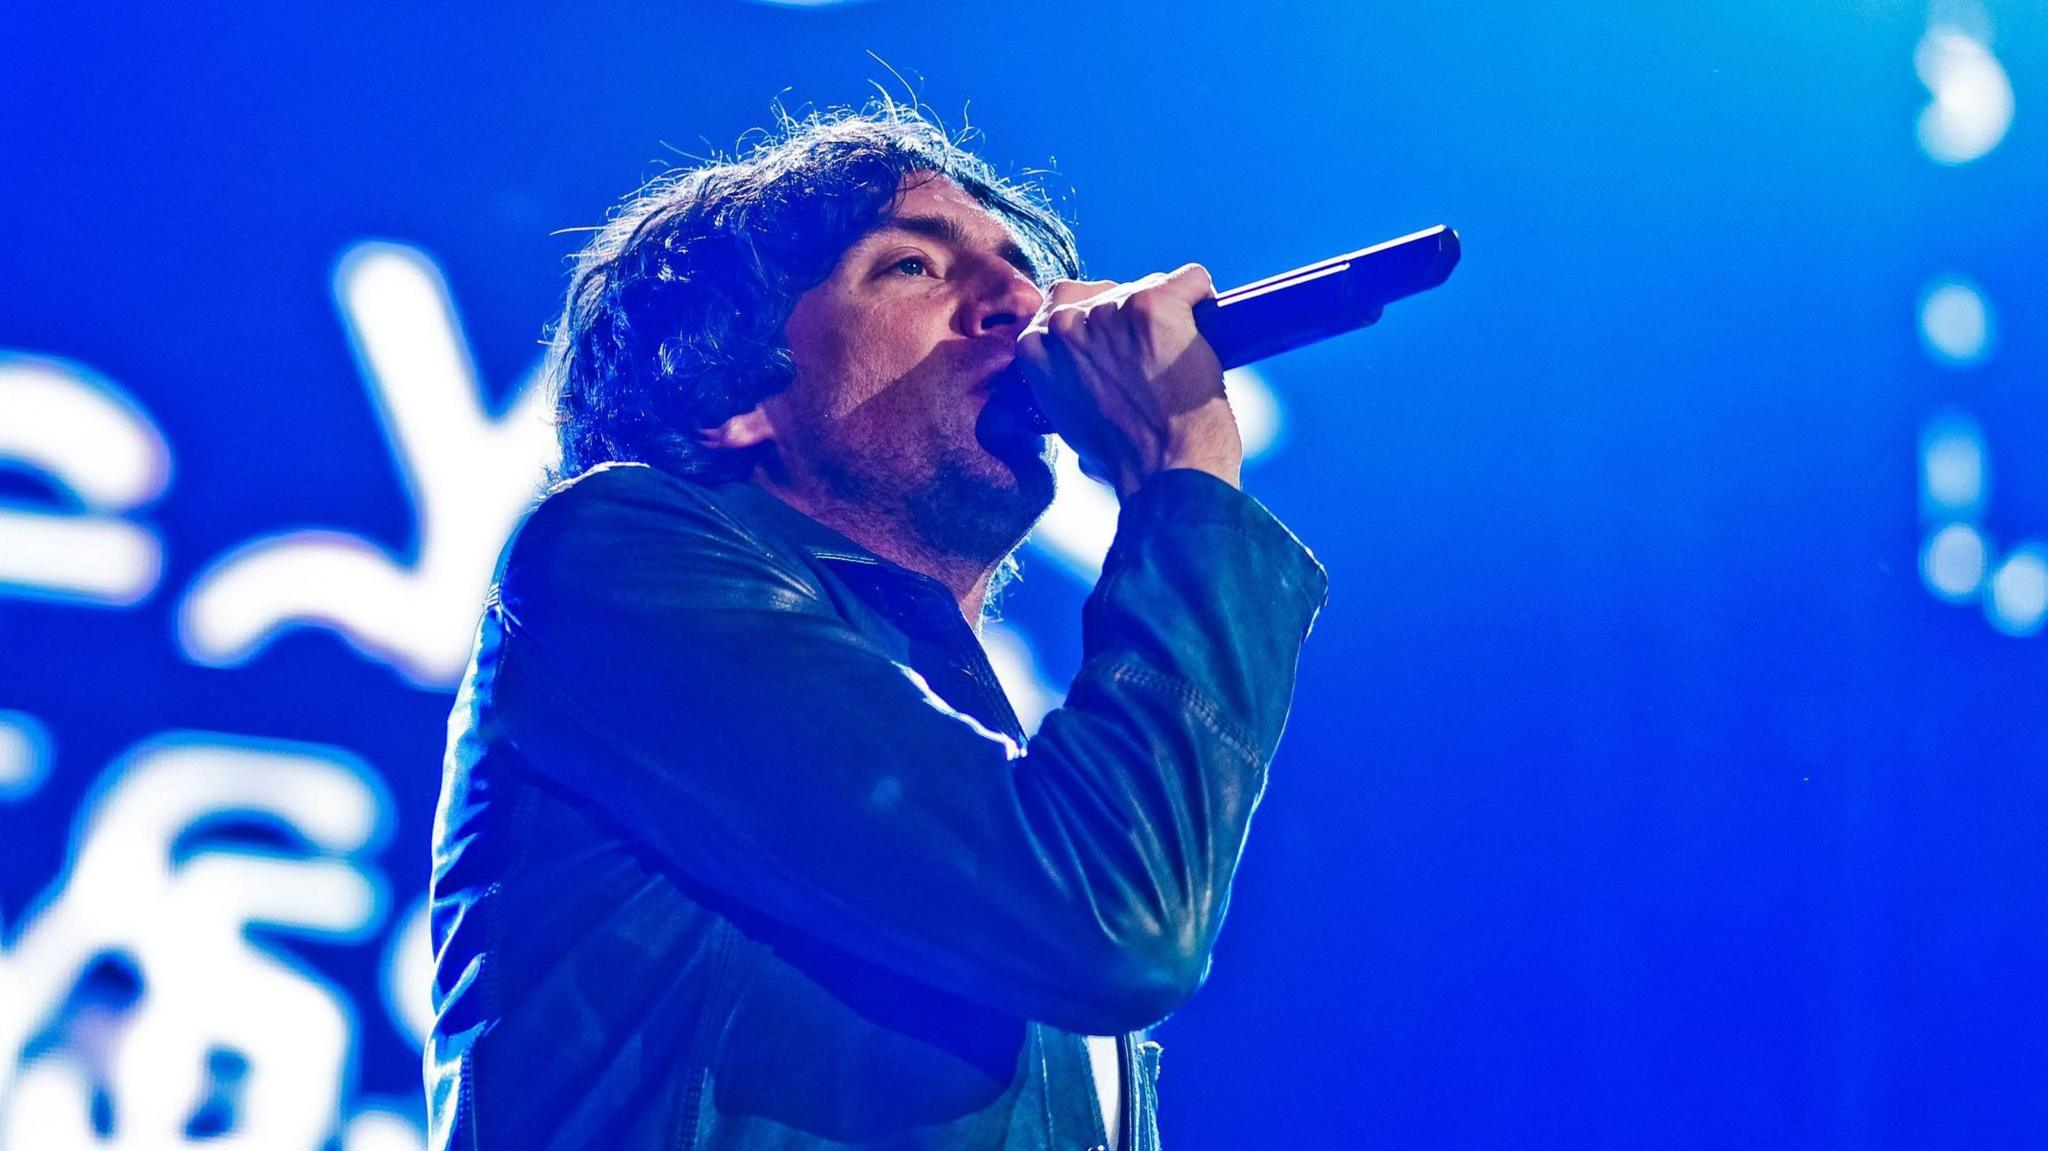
pixel 1667 769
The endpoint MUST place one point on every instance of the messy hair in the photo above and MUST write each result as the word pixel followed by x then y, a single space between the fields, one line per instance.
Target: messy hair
pixel 676 308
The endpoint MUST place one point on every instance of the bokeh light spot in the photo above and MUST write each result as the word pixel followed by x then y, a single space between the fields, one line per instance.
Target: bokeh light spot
pixel 2018 601
pixel 1972 99
pixel 1955 324
pixel 24 755
pixel 1952 468
pixel 409 976
pixel 1952 564
pixel 1257 410
pixel 1016 666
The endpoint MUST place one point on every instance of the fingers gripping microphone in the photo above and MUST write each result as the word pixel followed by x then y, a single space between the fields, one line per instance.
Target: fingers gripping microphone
pixel 1328 298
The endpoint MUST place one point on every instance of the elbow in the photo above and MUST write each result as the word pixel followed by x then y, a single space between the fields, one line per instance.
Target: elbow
pixel 1145 984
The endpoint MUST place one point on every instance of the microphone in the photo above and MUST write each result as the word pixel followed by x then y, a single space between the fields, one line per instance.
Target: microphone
pixel 1324 299
pixel 1327 298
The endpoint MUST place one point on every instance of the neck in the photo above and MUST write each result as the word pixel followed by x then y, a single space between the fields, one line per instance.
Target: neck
pixel 893 533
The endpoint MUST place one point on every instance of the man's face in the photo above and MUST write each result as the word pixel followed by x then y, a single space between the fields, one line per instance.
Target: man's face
pixel 897 355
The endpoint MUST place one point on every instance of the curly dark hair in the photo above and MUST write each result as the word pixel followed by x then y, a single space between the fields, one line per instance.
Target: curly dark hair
pixel 676 308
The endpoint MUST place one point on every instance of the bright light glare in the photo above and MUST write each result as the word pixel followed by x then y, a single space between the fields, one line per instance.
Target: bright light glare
pixel 382 1129
pixel 78 428
pixel 1955 324
pixel 1952 563
pixel 24 754
pixel 470 475
pixel 80 432
pixel 197 928
pixel 1952 468
pixel 409 976
pixel 2018 601
pixel 1077 529
pixel 1972 99
pixel 1257 410
pixel 104 561
pixel 1016 668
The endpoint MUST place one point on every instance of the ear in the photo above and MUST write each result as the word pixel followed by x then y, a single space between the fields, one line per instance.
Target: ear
pixel 749 429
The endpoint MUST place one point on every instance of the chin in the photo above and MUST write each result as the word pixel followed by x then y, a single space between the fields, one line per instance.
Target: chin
pixel 1025 466
pixel 1038 477
pixel 987 503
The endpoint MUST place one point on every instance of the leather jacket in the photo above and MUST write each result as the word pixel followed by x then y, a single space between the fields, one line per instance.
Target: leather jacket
pixel 740 845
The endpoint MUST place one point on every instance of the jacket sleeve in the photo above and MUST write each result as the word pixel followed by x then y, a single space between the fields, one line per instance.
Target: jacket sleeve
pixel 665 666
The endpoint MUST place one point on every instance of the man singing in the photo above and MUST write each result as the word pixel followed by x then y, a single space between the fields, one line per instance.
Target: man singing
pixel 740 845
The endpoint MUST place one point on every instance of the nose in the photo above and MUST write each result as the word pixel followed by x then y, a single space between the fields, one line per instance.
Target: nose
pixel 1005 303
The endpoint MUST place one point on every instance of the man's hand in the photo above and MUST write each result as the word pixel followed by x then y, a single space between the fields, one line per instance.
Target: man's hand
pixel 1128 382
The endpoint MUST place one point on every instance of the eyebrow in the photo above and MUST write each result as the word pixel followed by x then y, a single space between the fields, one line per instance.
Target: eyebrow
pixel 948 230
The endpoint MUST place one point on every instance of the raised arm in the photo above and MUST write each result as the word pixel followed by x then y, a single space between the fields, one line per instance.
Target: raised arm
pixel 695 685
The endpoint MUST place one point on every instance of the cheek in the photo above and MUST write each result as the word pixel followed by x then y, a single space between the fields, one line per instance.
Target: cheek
pixel 885 367
pixel 821 347
pixel 845 354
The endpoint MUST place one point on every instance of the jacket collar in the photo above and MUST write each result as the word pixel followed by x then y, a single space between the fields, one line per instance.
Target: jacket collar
pixel 915 606
pixel 758 506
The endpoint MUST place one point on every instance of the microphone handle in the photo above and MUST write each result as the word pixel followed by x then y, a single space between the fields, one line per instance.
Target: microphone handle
pixel 1341 294
pixel 1328 298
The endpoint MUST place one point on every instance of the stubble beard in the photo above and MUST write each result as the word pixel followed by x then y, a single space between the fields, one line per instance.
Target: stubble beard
pixel 970 505
pixel 981 506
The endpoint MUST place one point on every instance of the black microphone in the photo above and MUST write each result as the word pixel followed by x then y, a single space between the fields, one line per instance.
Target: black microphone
pixel 1327 298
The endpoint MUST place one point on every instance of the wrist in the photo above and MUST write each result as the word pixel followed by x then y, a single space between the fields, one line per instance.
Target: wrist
pixel 1205 442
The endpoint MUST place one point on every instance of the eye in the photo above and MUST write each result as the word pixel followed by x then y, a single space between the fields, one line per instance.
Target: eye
pixel 911 266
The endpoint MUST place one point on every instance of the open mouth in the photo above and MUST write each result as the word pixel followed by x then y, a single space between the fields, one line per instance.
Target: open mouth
pixel 1010 416
pixel 1008 389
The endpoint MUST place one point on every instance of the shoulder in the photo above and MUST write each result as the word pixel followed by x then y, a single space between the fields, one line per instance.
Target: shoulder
pixel 617 494
pixel 631 529
pixel 624 504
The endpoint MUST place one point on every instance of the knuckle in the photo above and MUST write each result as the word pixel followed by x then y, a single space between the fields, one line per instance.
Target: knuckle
pixel 1151 304
pixel 1196 278
pixel 1073 291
